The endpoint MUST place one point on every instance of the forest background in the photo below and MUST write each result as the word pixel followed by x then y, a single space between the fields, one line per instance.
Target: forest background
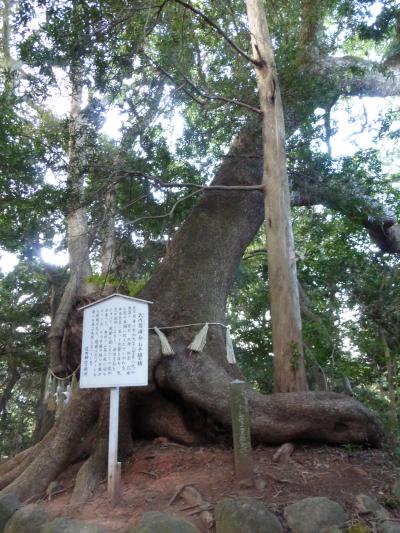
pixel 110 109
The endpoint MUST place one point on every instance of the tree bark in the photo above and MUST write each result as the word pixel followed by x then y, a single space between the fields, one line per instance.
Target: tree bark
pixel 57 447
pixel 9 77
pixel 192 285
pixel 391 381
pixel 289 369
pixel 12 378
pixel 77 226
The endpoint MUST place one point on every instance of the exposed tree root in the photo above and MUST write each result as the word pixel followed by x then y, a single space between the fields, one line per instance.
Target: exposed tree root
pixel 59 445
pixel 15 461
pixel 94 469
pixel 158 416
pixel 188 384
pixel 278 418
pixel 11 469
pixel 13 474
pixel 125 440
pixel 91 473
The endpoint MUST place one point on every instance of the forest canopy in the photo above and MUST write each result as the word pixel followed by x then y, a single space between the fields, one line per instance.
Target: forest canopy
pixel 122 126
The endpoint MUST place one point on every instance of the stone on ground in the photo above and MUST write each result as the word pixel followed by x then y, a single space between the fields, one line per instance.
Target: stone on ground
pixel 314 515
pixel 245 515
pixel 64 525
pixel 153 522
pixel 29 518
pixel 9 503
pixel 388 526
pixel 365 504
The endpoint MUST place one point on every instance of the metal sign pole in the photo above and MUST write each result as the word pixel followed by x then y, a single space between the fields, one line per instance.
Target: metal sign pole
pixel 114 468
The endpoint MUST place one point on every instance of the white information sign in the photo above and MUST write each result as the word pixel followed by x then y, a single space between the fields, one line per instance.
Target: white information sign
pixel 115 343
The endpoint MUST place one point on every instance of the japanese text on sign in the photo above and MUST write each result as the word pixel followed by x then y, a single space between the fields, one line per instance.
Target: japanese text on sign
pixel 115 344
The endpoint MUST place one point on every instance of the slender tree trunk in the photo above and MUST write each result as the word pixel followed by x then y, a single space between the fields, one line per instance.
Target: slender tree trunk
pixel 391 382
pixel 12 378
pixel 289 370
pixel 77 226
pixel 109 244
pixel 6 33
pixel 9 75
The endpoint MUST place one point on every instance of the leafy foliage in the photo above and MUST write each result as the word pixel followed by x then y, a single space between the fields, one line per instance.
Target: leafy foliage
pixel 159 66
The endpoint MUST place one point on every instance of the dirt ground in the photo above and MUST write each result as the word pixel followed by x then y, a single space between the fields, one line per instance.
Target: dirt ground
pixel 154 473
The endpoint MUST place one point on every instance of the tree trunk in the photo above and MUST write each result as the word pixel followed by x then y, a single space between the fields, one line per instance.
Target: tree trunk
pixel 192 390
pixel 108 239
pixel 289 369
pixel 391 382
pixel 12 378
pixel 77 226
pixel 9 75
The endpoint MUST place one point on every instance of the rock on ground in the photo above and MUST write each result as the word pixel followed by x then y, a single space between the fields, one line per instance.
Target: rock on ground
pixel 245 515
pixel 9 503
pixel 29 518
pixel 388 526
pixel 314 515
pixel 155 522
pixel 64 525
pixel 365 504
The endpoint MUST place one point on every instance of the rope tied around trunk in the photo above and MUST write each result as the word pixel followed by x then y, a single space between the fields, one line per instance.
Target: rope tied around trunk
pixel 199 341
pixel 59 390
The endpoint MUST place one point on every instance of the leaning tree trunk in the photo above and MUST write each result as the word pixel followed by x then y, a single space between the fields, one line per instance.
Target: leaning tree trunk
pixel 192 286
pixel 188 395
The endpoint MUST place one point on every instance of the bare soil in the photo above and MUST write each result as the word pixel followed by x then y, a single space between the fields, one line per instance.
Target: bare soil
pixel 154 473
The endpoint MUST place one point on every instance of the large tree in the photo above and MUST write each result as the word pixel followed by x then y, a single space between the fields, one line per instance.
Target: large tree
pixel 188 395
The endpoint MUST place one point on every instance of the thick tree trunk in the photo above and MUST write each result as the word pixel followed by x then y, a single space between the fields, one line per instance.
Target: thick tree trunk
pixel 192 286
pixel 192 390
pixel 203 256
pixel 289 368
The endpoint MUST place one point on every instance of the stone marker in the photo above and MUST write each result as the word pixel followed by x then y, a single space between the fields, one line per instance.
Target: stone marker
pixel 241 433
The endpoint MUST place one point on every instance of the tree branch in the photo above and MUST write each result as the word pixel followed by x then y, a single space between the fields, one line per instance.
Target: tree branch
pixel 198 90
pixel 354 76
pixel 173 185
pixel 218 30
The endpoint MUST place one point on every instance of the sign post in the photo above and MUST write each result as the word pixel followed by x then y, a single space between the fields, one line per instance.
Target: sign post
pixel 115 354
pixel 114 467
